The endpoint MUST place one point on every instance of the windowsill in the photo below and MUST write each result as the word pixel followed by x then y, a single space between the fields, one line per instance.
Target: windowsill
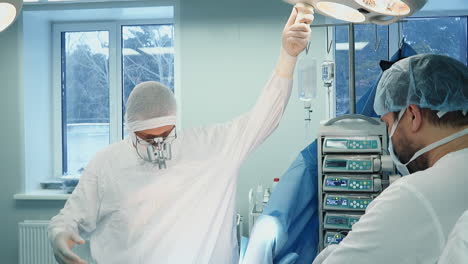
pixel 42 195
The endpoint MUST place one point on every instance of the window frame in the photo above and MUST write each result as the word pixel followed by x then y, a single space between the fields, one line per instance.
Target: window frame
pixel 331 102
pixel 395 35
pixel 422 17
pixel 115 78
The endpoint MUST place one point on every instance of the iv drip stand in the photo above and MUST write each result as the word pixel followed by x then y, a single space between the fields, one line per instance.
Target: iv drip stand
pixel 352 83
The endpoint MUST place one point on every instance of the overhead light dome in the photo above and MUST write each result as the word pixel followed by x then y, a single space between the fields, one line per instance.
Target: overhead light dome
pixel 9 11
pixel 381 12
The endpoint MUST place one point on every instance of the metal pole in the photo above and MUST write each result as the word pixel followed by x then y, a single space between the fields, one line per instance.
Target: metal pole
pixel 352 83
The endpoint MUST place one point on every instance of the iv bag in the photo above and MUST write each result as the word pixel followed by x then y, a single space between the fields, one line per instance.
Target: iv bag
pixel 307 78
pixel 328 72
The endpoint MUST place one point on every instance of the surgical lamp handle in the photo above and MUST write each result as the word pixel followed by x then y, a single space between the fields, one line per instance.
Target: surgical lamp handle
pixel 352 116
pixel 302 10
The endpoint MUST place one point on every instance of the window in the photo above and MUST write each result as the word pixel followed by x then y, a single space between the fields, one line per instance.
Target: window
pixel 96 67
pixel 437 35
pixel 441 35
pixel 85 96
pixel 371 46
pixel 148 55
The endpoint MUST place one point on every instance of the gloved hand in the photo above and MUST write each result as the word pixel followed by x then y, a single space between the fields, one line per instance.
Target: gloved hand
pixel 296 34
pixel 62 245
pixel 295 39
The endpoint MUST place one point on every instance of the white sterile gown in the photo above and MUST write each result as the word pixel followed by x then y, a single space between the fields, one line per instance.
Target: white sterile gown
pixel 132 212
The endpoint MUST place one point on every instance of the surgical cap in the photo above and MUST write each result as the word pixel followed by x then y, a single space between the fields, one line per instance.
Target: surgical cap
pixel 150 105
pixel 429 81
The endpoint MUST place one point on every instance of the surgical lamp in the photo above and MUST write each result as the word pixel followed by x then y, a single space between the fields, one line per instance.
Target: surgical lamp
pixel 9 11
pixel 380 12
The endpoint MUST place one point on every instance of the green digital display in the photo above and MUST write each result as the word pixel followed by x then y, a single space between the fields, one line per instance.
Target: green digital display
pixel 338 202
pixel 340 221
pixel 347 184
pixel 352 144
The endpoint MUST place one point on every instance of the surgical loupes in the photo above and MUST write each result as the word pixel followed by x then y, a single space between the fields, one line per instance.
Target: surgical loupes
pixel 159 152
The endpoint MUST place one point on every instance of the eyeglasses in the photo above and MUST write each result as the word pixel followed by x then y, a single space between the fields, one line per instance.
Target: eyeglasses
pixel 166 137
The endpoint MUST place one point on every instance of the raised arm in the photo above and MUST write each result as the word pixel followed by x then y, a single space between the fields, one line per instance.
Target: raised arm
pixel 248 131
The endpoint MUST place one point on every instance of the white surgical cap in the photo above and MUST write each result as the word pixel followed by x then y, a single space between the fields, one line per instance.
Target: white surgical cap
pixel 150 105
pixel 436 82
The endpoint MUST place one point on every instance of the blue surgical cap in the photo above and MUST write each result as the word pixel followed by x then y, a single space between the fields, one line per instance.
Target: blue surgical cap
pixel 429 81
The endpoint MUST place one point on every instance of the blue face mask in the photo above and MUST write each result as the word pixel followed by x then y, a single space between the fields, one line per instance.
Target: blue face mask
pixel 403 168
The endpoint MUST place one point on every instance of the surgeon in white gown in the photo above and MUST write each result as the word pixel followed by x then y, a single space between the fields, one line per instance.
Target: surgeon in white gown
pixel 456 249
pixel 134 212
pixel 423 100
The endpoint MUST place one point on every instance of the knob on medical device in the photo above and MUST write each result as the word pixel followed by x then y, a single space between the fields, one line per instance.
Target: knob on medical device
pixel 393 178
pixel 387 163
pixel 377 165
pixel 377 185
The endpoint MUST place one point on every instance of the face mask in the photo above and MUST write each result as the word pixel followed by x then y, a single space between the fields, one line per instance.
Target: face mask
pixel 158 151
pixel 403 168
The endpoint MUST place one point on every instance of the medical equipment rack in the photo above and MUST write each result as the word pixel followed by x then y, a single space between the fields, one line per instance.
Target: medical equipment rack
pixel 353 169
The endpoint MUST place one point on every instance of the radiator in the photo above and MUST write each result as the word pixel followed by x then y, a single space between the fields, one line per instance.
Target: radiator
pixel 34 245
